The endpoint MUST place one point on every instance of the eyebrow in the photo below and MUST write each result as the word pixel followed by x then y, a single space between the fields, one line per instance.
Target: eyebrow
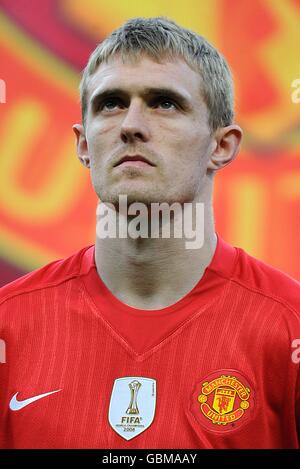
pixel 147 93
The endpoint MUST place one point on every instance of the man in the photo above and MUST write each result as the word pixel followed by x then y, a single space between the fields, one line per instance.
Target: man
pixel 141 341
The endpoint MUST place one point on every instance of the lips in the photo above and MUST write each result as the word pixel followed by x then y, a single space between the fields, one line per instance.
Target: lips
pixel 133 158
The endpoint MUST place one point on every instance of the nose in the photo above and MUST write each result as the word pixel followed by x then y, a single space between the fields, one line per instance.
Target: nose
pixel 134 126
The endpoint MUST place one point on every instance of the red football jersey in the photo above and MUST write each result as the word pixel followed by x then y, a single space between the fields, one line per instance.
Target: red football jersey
pixel 217 369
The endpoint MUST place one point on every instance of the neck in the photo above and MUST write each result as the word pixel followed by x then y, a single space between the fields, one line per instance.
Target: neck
pixel 153 273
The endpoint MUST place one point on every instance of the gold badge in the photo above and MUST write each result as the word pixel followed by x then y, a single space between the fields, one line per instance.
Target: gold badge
pixel 132 405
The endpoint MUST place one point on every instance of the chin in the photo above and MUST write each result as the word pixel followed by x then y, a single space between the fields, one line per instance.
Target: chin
pixel 134 192
pixel 141 194
pixel 132 197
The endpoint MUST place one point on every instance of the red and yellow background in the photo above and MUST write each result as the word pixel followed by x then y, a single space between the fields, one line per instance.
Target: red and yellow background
pixel 47 205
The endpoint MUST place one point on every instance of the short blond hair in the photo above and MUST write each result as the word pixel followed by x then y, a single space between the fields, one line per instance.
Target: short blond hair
pixel 161 38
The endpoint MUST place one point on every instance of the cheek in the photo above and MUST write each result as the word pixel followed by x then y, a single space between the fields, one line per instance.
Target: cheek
pixel 188 160
pixel 196 147
pixel 99 148
pixel 186 149
pixel 101 133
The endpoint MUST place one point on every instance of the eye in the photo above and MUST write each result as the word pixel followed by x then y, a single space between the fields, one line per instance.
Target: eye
pixel 166 104
pixel 109 104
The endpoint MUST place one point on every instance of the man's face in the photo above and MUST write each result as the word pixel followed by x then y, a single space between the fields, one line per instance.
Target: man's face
pixel 155 111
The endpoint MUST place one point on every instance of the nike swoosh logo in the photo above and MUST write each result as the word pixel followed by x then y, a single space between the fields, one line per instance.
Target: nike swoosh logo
pixel 17 405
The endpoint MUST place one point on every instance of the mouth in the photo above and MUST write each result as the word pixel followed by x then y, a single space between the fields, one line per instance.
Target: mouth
pixel 134 160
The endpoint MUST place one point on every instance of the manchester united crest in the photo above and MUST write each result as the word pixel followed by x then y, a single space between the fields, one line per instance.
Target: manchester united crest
pixel 223 401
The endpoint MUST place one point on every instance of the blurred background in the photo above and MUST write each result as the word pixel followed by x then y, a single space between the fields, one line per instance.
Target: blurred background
pixel 47 205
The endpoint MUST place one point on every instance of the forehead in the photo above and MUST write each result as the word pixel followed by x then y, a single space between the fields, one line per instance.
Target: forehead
pixel 144 72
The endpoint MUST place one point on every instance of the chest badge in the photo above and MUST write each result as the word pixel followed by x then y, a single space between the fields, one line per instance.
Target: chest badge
pixel 223 402
pixel 132 405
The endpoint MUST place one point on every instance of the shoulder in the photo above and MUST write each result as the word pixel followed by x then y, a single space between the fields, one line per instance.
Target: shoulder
pixel 50 275
pixel 261 278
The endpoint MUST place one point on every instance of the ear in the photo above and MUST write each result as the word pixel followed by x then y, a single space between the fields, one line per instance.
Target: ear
pixel 81 143
pixel 227 144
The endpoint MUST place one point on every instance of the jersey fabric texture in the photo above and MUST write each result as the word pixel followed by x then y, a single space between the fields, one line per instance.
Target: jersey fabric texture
pixel 221 358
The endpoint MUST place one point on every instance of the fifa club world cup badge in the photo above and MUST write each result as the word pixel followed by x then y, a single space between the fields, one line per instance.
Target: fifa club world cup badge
pixel 223 401
pixel 132 405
